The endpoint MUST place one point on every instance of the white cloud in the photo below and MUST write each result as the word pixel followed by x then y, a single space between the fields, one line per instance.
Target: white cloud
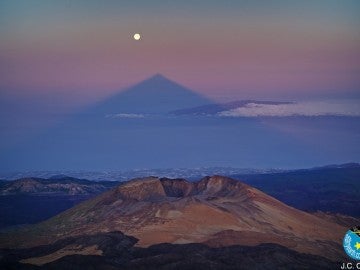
pixel 125 115
pixel 315 108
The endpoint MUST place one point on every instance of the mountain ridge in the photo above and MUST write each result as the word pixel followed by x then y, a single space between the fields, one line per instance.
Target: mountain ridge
pixel 215 209
pixel 54 185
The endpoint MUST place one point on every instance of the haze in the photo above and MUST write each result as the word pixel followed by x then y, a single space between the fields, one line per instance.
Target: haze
pixel 59 59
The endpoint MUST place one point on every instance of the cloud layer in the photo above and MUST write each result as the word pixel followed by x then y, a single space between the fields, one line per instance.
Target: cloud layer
pixel 319 108
pixel 125 115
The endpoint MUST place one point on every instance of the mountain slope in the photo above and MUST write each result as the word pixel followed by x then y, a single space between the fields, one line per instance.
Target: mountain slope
pixel 31 200
pixel 114 250
pixel 218 211
pixel 330 189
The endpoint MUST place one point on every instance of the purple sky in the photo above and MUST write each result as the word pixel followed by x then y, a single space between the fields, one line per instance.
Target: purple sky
pixel 57 57
pixel 84 50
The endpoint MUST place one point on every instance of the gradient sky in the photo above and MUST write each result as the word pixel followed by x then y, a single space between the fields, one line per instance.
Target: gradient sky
pixel 57 57
pixel 84 50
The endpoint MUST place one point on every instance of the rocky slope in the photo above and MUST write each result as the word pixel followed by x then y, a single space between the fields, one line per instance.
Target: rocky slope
pixel 115 250
pixel 216 211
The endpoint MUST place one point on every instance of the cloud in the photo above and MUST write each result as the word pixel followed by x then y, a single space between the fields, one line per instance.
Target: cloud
pixel 125 115
pixel 316 108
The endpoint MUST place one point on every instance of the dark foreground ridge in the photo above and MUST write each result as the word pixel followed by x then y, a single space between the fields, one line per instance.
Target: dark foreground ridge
pixel 114 250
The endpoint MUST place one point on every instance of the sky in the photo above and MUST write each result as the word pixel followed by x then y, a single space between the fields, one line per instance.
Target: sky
pixel 80 51
pixel 59 58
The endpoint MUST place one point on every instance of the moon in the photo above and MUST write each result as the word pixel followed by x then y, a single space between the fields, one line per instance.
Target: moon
pixel 137 36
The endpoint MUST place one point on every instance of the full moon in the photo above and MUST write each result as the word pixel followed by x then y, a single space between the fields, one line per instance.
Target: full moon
pixel 137 36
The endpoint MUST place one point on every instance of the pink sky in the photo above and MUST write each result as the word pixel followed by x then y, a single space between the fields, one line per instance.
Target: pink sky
pixel 262 53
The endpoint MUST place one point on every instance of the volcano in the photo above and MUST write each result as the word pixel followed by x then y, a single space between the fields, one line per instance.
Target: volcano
pixel 215 211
